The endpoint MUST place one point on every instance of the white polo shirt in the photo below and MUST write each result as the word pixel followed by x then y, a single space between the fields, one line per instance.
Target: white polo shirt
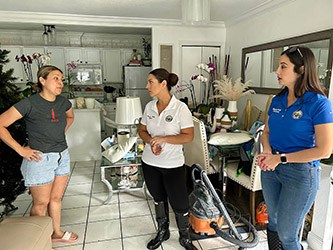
pixel 175 117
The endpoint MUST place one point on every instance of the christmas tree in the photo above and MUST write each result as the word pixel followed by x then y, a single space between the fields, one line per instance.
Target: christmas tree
pixel 11 180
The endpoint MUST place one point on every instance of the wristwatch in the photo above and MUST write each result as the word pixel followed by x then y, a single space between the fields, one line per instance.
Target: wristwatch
pixel 283 159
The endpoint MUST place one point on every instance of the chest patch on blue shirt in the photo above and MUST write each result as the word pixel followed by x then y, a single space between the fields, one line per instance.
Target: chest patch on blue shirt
pixel 297 114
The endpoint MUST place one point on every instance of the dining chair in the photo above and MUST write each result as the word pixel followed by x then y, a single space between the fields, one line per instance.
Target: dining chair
pixel 196 152
pixel 252 182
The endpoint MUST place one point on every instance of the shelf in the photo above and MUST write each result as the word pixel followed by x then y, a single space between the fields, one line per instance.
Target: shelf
pixel 88 93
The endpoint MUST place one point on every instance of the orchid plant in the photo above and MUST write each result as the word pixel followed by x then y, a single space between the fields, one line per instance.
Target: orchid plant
pixel 210 69
pixel 184 86
pixel 70 67
pixel 27 61
pixel 41 59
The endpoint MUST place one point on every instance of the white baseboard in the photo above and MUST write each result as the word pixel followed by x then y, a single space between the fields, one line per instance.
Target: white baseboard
pixel 317 243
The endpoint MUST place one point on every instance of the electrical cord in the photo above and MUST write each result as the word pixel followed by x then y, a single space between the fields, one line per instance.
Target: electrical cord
pixel 233 211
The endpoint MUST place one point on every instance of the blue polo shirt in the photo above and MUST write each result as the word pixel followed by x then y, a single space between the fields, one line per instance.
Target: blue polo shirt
pixel 291 129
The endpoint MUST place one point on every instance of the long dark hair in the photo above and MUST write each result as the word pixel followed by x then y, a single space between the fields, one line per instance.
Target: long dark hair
pixel 307 80
pixel 162 74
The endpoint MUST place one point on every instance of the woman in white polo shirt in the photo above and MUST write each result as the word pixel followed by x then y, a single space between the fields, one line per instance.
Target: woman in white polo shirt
pixel 165 126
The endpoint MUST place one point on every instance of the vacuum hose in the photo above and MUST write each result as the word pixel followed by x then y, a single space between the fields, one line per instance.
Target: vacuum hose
pixel 233 237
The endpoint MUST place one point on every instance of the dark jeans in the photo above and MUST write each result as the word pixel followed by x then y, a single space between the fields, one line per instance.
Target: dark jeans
pixel 289 193
pixel 167 184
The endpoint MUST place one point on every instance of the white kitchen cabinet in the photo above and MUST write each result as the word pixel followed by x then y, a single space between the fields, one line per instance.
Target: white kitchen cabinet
pixel 29 51
pixel 127 56
pixel 13 64
pixel 92 56
pixel 112 66
pixel 191 57
pixel 74 55
pixel 57 58
pixel 83 55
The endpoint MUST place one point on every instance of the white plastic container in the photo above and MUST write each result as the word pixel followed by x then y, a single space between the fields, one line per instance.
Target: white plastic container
pixel 73 101
pixel 90 103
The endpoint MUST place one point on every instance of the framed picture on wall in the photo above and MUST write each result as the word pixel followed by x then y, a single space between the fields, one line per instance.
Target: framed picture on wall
pixel 166 57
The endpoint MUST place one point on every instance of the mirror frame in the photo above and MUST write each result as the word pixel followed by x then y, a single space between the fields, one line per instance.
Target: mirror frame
pixel 312 37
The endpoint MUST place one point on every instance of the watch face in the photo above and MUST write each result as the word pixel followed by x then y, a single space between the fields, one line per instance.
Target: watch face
pixel 283 159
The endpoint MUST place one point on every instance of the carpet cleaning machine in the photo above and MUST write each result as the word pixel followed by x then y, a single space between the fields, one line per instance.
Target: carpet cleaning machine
pixel 208 213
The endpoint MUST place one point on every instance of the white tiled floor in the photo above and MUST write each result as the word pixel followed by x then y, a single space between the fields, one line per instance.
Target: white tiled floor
pixel 126 223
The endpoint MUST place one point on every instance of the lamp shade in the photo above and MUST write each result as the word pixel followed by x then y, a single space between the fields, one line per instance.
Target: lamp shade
pixel 128 110
pixel 195 11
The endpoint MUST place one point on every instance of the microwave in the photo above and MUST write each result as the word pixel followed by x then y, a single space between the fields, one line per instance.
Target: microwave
pixel 87 74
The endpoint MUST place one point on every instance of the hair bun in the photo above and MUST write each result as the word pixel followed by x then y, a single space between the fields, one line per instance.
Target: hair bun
pixel 173 79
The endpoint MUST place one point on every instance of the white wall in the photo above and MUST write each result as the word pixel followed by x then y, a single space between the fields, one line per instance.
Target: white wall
pixel 293 19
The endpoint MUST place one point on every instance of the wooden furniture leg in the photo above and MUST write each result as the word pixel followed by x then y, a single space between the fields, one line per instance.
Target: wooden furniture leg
pixel 252 206
pixel 239 190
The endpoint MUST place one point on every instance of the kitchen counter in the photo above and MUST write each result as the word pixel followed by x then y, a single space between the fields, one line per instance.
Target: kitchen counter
pixel 84 135
pixel 86 110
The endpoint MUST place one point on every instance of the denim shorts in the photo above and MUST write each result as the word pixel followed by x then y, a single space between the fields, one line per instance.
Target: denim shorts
pixel 44 171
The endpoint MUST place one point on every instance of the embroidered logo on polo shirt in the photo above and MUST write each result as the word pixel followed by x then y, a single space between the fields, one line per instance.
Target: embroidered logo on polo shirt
pixel 297 114
pixel 150 117
pixel 169 118
pixel 275 110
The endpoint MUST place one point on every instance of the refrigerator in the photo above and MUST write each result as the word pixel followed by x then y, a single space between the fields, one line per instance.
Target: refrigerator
pixel 135 80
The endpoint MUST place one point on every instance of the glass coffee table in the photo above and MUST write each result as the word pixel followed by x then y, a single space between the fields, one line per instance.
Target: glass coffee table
pixel 126 175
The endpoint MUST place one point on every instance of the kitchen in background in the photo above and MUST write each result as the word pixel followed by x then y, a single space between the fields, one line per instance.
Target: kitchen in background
pixel 87 81
pixel 99 59
pixel 135 81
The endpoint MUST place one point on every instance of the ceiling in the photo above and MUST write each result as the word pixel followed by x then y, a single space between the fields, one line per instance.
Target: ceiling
pixel 221 11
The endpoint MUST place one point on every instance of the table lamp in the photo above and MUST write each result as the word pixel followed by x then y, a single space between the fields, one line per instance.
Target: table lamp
pixel 128 113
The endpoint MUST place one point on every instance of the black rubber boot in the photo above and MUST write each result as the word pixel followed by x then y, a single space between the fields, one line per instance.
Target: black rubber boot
pixel 162 218
pixel 183 223
pixel 274 242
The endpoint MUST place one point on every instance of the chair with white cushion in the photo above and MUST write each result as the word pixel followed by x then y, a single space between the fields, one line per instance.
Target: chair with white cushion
pixel 196 152
pixel 252 182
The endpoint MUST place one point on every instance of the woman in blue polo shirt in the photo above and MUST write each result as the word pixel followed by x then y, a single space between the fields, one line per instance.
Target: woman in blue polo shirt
pixel 165 126
pixel 298 133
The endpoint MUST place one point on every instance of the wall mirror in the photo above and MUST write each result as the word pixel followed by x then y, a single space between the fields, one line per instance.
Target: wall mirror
pixel 260 62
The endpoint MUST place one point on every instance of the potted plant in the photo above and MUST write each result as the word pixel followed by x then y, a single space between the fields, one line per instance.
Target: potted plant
pixel 70 67
pixel 202 111
pixel 11 180
pixel 27 61
pixel 147 51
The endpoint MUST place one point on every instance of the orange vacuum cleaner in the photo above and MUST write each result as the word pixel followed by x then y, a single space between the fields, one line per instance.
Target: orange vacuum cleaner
pixel 208 213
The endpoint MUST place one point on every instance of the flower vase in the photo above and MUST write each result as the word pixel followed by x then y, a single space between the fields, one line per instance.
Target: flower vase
pixel 218 115
pixel 232 108
pixel 226 122
pixel 213 127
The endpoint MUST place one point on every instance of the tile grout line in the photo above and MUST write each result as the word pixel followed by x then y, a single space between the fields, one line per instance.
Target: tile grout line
pixel 88 212
pixel 69 178
pixel 120 224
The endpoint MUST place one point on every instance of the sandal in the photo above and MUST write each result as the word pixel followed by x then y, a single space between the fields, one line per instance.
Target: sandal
pixel 67 237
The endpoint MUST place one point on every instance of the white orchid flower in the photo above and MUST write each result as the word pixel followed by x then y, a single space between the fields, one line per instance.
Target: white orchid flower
pixel 202 79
